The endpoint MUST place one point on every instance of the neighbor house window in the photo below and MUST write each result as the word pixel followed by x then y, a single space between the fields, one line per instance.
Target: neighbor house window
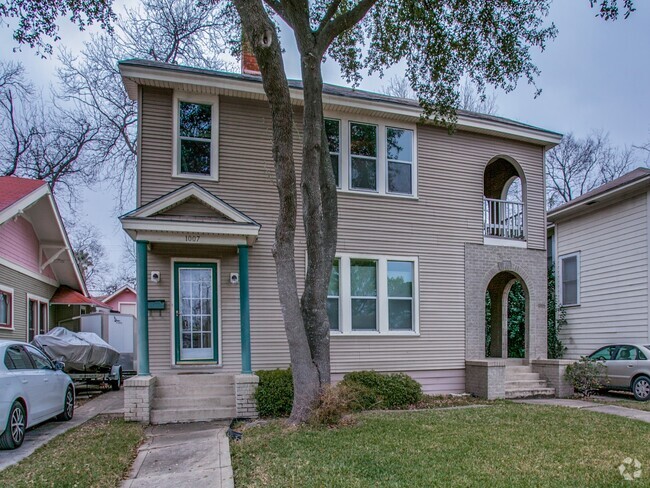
pixel 570 279
pixel 333 296
pixel 399 157
pixel 373 295
pixel 196 133
pixel 6 307
pixel 333 131
pixel 37 317
pixel 363 156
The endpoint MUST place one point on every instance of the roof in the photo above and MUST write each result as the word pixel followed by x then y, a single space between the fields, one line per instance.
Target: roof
pixel 629 181
pixel 388 103
pixel 67 296
pixel 108 298
pixel 33 199
pixel 13 189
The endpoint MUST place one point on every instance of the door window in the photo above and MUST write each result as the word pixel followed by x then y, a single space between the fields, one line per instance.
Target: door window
pixel 196 313
pixel 18 358
pixel 607 353
pixel 40 360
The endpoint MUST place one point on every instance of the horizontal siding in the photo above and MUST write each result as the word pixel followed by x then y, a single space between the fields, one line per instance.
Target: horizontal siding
pixel 22 285
pixel 613 246
pixel 434 228
pixel 440 382
pixel 20 245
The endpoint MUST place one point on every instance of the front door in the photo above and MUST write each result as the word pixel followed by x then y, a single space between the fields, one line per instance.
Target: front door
pixel 195 303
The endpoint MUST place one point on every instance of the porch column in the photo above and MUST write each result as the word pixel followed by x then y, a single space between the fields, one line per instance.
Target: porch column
pixel 244 311
pixel 143 312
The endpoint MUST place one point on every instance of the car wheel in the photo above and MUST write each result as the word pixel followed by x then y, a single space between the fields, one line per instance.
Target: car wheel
pixel 68 405
pixel 641 388
pixel 14 433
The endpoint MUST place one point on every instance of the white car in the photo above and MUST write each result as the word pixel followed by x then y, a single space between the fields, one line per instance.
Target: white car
pixel 32 390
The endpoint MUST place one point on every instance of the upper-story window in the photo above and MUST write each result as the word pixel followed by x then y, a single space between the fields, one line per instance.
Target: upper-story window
pixel 333 131
pixel 373 157
pixel 196 138
pixel 363 156
pixel 399 154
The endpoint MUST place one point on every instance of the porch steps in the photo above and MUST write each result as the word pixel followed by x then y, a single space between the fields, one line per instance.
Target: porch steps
pixel 193 398
pixel 522 382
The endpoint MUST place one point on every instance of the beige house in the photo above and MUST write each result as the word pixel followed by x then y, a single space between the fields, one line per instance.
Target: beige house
pixel 428 223
pixel 599 245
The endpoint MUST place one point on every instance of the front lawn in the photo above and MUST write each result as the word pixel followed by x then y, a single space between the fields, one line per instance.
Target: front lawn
pixel 500 445
pixel 96 454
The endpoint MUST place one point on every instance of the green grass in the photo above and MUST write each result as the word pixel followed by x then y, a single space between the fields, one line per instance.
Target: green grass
pixel 98 453
pixel 501 445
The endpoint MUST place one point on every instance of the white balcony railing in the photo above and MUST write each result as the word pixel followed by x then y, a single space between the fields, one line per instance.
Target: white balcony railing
pixel 502 218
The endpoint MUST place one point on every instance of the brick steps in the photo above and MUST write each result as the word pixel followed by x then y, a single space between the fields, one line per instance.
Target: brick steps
pixel 522 382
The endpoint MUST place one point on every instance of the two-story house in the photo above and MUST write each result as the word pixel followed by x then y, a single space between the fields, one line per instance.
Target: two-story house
pixel 426 229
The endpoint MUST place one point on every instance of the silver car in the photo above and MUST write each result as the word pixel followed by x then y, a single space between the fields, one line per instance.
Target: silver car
pixel 628 368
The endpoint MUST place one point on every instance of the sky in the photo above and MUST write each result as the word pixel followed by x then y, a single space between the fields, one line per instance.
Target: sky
pixel 595 76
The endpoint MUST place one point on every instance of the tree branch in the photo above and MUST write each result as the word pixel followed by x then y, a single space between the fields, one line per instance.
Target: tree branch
pixel 328 31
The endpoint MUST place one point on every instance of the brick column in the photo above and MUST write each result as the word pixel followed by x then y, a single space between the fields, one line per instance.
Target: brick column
pixel 138 397
pixel 245 386
pixel 552 370
pixel 486 378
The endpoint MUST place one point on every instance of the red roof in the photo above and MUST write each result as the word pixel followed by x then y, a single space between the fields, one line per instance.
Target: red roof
pixel 68 296
pixel 13 189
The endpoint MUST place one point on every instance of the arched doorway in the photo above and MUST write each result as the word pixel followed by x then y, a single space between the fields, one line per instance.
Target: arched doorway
pixel 504 191
pixel 506 317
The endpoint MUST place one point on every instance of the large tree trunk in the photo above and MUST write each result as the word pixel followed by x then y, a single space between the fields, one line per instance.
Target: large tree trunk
pixel 319 209
pixel 262 36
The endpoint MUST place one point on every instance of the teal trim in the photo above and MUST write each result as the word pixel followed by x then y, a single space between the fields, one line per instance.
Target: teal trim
pixel 244 311
pixel 143 313
pixel 215 313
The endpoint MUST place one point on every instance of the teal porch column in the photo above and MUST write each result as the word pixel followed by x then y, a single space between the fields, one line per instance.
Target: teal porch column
pixel 244 311
pixel 143 312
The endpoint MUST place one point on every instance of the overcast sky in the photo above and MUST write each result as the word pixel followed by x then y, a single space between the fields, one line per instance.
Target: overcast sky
pixel 595 77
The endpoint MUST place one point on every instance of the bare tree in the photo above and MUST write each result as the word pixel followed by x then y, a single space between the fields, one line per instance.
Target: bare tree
pixel 172 31
pixel 86 241
pixel 577 166
pixel 39 139
pixel 469 99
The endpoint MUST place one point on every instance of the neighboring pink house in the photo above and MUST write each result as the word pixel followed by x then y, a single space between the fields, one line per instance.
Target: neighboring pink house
pixel 123 301
pixel 36 261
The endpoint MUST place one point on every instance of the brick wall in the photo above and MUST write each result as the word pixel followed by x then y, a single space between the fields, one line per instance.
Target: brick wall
pixel 138 396
pixel 245 386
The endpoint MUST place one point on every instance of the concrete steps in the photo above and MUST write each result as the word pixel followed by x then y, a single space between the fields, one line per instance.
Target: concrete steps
pixel 193 398
pixel 522 382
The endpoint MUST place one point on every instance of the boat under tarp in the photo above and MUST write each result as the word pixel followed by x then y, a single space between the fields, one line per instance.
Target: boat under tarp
pixel 79 351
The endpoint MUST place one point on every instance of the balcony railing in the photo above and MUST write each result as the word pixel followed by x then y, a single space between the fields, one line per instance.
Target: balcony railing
pixel 503 219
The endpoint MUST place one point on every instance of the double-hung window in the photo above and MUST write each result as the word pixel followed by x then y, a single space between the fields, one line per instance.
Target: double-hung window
pixel 333 131
pixel 399 161
pixel 6 307
pixel 333 297
pixel 363 156
pixel 196 146
pixel 373 295
pixel 570 279
pixel 37 316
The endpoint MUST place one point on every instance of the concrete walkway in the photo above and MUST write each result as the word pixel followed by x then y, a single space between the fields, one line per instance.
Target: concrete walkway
pixel 183 456
pixel 111 402
pixel 629 413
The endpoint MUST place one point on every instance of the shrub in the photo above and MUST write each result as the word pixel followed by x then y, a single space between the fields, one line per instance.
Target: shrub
pixel 376 390
pixel 274 394
pixel 586 376
pixel 334 403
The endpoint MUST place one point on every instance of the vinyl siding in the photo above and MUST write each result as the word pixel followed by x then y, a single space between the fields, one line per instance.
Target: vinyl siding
pixel 613 247
pixel 433 228
pixel 22 285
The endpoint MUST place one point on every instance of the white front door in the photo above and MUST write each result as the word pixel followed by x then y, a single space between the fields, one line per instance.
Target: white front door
pixel 196 312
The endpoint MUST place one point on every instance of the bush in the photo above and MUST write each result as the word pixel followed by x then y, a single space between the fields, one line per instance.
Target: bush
pixel 274 394
pixel 335 402
pixel 376 390
pixel 586 376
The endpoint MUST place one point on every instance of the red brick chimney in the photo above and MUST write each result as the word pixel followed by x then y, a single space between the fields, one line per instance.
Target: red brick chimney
pixel 248 61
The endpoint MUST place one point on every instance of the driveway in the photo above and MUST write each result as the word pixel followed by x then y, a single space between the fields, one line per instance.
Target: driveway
pixel 111 402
